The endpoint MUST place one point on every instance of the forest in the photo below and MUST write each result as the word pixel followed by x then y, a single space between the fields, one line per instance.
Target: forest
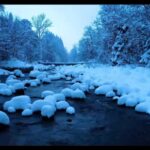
pixel 119 35
pixel 29 41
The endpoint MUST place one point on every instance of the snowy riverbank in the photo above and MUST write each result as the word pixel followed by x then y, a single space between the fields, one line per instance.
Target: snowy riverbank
pixel 130 86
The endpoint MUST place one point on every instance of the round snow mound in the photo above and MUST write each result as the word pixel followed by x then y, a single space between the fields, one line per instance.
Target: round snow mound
pixel 48 111
pixel 4 119
pixel 70 110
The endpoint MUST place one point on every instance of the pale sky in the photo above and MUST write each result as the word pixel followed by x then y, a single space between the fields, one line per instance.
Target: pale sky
pixel 68 21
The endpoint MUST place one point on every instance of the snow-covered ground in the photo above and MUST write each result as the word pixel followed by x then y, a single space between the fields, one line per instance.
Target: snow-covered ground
pixel 14 63
pixel 128 85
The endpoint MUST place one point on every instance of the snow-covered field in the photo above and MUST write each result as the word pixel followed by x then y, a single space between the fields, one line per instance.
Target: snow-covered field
pixel 128 86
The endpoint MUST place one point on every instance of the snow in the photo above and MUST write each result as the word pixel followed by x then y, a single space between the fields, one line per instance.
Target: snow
pixel 110 94
pixel 11 77
pixel 46 80
pixel 78 94
pixel 48 111
pixel 130 100
pixel 68 78
pixel 67 92
pixel 19 86
pixel 4 119
pixel 38 104
pixel 60 97
pixel 12 81
pixel 56 76
pixel 80 86
pixel 34 83
pixel 4 72
pixel 128 85
pixel 46 93
pixel 15 84
pixel 34 73
pixel 70 110
pixel 122 100
pixel 15 63
pixel 11 109
pixel 143 107
pixel 51 99
pixel 6 91
pixel 62 105
pixel 3 85
pixel 145 57
pixel 26 112
pixel 42 67
pixel 17 102
pixel 131 83
pixel 18 73
pixel 42 75
pixel 104 89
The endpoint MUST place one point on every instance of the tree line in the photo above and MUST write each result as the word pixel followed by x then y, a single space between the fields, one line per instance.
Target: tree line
pixel 29 41
pixel 119 35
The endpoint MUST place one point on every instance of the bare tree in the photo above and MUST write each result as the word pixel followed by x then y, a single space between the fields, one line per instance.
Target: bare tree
pixel 41 24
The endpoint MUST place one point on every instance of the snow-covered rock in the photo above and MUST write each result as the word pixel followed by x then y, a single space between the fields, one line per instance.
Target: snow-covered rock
pixel 67 92
pixel 12 81
pixel 3 85
pixel 68 78
pixel 15 84
pixel 12 88
pixel 51 99
pixel 123 89
pixel 46 80
pixel 59 97
pixel 26 112
pixel 104 89
pixel 78 94
pixel 83 87
pixel 62 105
pixel 46 93
pixel 4 72
pixel 129 100
pixel 17 102
pixel 48 111
pixel 115 98
pixel 70 110
pixel 110 94
pixel 6 91
pixel 18 73
pixel 34 73
pixel 19 86
pixel 91 87
pixel 55 77
pixel 38 104
pixel 42 75
pixel 33 82
pixel 122 100
pixel 11 109
pixel 143 107
pixel 4 119
pixel 11 77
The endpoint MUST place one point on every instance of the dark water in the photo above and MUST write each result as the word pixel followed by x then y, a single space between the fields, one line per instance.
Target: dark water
pixel 98 121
